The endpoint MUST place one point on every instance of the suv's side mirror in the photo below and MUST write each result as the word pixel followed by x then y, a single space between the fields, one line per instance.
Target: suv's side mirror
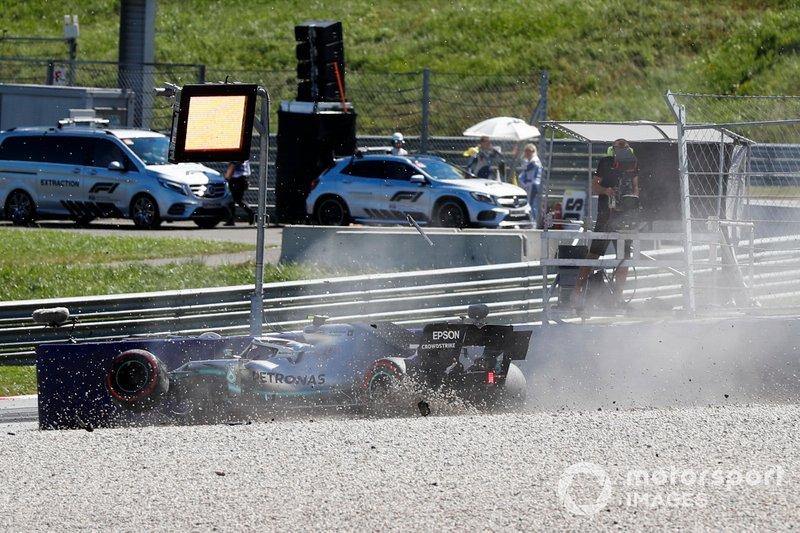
pixel 418 178
pixel 116 165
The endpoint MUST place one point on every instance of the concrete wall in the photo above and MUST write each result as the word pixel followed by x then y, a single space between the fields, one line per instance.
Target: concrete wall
pixel 405 248
pixel 45 105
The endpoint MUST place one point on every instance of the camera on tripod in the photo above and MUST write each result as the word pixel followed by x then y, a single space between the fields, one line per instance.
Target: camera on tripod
pixel 626 215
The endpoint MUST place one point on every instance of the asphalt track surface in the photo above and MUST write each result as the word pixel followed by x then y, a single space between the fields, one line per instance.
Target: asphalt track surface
pixel 715 466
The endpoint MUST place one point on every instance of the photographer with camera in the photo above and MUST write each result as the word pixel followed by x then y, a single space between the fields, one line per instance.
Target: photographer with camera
pixel 616 182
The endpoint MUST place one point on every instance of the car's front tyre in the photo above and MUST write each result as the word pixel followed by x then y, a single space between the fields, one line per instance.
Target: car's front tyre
pixel 207 223
pixel 137 380
pixel 144 212
pixel 332 211
pixel 451 214
pixel 20 208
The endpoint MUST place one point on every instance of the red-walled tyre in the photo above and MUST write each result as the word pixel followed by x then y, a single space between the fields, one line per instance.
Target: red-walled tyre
pixel 381 377
pixel 137 380
pixel 383 392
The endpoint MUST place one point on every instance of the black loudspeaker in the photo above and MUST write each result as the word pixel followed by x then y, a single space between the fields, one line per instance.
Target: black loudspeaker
pixel 309 138
pixel 320 61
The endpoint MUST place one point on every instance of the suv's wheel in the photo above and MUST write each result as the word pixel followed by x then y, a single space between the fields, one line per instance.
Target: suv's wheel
pixel 451 214
pixel 332 211
pixel 20 209
pixel 144 212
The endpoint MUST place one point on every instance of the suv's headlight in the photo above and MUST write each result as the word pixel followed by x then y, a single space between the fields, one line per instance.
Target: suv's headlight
pixel 179 188
pixel 483 197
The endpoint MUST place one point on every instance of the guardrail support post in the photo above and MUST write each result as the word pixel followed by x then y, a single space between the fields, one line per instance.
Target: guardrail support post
pixel 257 299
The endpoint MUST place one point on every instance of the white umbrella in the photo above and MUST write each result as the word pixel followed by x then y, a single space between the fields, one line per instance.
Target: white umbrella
pixel 503 129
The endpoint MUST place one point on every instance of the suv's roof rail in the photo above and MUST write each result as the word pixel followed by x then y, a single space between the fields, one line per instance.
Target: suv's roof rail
pixel 83 121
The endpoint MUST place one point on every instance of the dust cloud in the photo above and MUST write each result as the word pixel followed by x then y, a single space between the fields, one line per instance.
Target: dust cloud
pixel 662 364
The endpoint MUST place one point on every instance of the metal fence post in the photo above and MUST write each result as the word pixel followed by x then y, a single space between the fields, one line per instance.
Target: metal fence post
pixel 426 102
pixel 257 298
pixel 540 113
pixel 73 56
pixel 686 207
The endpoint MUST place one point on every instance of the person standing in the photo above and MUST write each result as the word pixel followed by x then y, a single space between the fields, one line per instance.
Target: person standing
pixel 486 161
pixel 529 177
pixel 397 144
pixel 617 175
pixel 238 178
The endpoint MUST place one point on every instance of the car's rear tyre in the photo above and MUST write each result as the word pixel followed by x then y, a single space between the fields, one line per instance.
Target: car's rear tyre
pixel 451 214
pixel 137 380
pixel 515 391
pixel 20 208
pixel 383 394
pixel 332 211
pixel 144 212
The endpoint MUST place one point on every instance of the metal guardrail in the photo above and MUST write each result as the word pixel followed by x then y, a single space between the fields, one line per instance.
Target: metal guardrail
pixel 514 292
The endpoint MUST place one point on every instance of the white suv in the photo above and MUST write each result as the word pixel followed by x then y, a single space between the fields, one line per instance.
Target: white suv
pixel 85 173
pixel 386 189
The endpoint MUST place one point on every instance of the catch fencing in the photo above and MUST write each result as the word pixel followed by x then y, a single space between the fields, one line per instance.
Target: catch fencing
pixel 739 199
pixel 421 104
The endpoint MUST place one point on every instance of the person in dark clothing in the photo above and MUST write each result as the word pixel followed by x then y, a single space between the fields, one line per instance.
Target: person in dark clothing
pixel 617 176
pixel 238 177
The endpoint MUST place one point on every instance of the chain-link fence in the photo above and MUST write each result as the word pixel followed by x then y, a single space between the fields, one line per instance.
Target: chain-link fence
pixel 420 104
pixel 430 109
pixel 741 214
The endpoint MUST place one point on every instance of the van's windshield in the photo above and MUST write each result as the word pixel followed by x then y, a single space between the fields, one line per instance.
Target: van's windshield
pixel 151 150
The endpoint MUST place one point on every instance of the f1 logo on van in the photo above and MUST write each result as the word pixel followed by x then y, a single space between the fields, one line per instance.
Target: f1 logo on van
pixel 103 187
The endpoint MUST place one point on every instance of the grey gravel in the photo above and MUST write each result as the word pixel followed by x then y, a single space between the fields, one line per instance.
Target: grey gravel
pixel 460 472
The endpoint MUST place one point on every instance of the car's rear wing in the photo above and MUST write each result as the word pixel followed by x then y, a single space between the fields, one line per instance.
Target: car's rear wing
pixel 444 340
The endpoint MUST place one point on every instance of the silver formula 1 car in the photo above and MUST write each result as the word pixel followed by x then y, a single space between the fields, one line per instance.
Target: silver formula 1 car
pixel 356 365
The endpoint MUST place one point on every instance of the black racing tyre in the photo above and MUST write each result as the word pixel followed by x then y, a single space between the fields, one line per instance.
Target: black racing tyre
pixel 381 377
pixel 451 214
pixel 20 208
pixel 137 380
pixel 144 212
pixel 383 393
pixel 332 211
pixel 515 391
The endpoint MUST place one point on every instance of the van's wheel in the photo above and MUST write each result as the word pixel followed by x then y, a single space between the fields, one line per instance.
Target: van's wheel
pixel 451 214
pixel 332 211
pixel 144 212
pixel 20 208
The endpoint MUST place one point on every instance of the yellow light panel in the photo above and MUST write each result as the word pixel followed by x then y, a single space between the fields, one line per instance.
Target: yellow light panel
pixel 215 123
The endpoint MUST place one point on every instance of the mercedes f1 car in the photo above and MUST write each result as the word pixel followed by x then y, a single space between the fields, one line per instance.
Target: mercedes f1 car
pixel 338 365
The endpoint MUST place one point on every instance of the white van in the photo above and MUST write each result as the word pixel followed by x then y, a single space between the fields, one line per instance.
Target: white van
pixel 83 173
